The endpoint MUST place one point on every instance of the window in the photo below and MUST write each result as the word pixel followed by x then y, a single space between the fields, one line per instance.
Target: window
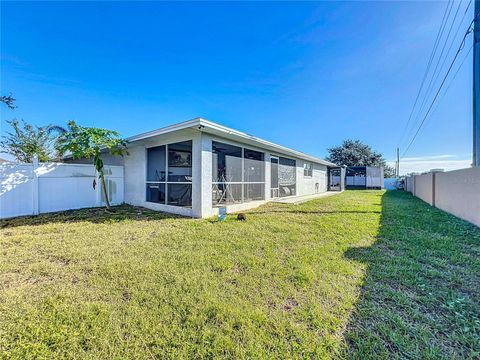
pixel 238 174
pixel 169 178
pixel 308 170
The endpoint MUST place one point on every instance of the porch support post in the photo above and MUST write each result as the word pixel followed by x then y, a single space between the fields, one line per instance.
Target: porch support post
pixel 202 176
pixel 268 174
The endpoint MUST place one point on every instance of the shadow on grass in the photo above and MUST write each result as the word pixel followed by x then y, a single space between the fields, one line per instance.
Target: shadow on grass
pixel 93 215
pixel 420 297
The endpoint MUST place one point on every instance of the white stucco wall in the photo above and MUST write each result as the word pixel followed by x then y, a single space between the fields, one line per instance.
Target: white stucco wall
pixel 423 187
pixel 307 185
pixel 458 192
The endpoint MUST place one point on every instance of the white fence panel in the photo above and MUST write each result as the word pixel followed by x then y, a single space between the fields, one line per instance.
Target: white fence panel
pixel 16 192
pixel 29 190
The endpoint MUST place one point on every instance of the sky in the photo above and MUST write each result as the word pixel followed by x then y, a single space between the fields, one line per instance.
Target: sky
pixel 304 75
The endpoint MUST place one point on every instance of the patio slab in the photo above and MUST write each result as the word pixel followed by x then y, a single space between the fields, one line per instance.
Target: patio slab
pixel 304 198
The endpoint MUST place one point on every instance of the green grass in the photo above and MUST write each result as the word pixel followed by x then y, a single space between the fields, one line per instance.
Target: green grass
pixel 364 274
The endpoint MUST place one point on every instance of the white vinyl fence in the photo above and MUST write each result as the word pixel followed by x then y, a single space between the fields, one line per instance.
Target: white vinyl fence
pixel 31 189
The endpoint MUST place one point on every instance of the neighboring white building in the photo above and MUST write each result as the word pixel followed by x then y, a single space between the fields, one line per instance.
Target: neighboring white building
pixel 194 167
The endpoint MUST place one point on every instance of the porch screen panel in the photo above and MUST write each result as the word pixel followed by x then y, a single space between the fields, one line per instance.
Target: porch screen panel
pixel 180 162
pixel 156 163
pixel 238 175
pixel 226 173
pixel 254 166
pixel 169 174
pixel 156 170
pixel 179 190
pixel 180 194
pixel 287 176
pixel 253 175
pixel 227 162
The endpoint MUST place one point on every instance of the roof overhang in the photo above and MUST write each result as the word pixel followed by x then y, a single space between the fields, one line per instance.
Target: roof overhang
pixel 210 127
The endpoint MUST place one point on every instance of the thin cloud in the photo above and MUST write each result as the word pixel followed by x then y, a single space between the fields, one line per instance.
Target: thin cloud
pixel 446 162
pixel 425 158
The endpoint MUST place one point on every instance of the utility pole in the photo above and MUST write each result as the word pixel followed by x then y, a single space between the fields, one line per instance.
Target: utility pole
pixel 397 167
pixel 476 85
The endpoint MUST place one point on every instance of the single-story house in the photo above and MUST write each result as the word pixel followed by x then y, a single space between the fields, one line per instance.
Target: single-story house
pixel 195 167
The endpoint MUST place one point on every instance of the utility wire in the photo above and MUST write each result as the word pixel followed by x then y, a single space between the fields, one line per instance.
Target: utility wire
pixel 458 70
pixel 451 82
pixel 434 80
pixel 435 75
pixel 460 48
pixel 455 36
pixel 432 55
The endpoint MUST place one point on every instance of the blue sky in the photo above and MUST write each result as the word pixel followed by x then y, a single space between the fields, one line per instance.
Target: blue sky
pixel 304 75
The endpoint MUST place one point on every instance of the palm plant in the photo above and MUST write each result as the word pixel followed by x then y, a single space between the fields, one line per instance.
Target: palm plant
pixel 90 143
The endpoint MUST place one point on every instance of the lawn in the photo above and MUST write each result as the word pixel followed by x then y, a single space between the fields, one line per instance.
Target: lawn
pixel 363 274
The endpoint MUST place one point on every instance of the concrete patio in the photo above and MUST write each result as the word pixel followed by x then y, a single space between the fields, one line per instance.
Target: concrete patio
pixel 304 198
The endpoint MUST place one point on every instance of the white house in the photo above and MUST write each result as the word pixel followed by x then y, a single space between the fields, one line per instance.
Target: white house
pixel 194 167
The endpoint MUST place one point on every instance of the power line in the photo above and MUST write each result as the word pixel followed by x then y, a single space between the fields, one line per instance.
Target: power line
pixel 455 36
pixel 456 73
pixel 435 75
pixel 432 56
pixel 448 51
pixel 460 48
pixel 451 82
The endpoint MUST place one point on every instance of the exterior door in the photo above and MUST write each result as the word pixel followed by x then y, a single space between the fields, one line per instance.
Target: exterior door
pixel 274 177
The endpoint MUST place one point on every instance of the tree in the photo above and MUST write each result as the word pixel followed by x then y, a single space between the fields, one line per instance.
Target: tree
pixel 356 153
pixel 91 143
pixel 8 100
pixel 27 140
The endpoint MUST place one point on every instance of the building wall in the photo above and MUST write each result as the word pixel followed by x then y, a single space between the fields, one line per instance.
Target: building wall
pixel 308 185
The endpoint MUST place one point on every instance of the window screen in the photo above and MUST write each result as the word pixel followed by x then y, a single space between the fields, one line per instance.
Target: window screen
pixel 226 162
pixel 156 163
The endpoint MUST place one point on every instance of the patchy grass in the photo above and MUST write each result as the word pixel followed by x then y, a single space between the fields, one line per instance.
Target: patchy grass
pixel 363 274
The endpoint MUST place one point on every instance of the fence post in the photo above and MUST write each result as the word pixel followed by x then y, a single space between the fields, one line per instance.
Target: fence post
pixel 433 189
pixel 434 180
pixel 414 182
pixel 35 207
